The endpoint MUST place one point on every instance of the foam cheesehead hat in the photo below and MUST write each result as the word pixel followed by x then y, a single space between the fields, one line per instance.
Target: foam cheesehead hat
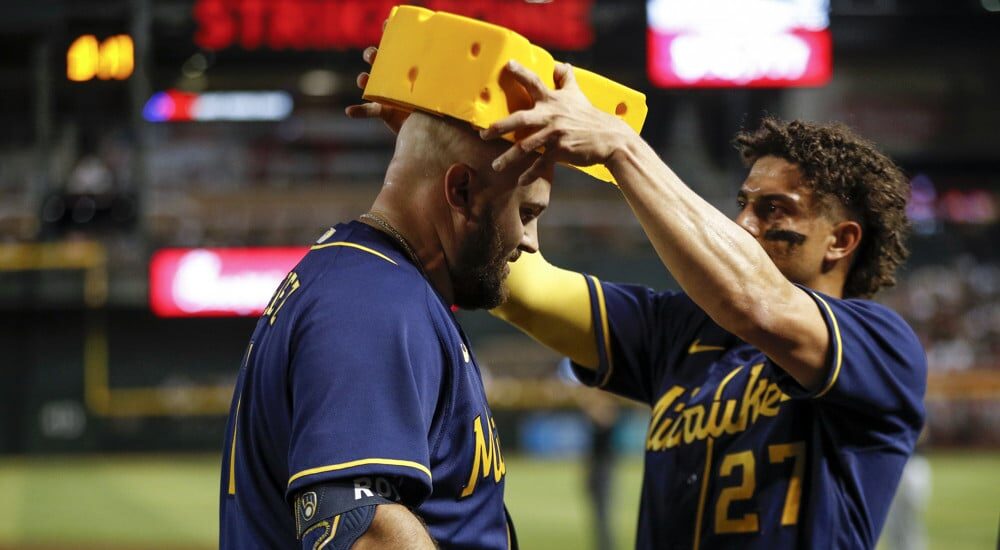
pixel 451 65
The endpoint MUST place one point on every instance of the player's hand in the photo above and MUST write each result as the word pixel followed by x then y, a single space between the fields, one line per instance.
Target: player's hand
pixel 391 116
pixel 563 121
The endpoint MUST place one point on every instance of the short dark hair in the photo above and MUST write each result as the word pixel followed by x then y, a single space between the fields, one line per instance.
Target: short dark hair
pixel 841 166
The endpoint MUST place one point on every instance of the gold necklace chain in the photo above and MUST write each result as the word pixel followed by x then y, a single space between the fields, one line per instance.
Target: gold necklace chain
pixel 388 229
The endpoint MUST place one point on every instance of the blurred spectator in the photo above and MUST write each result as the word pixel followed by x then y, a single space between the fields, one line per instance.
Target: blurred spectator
pixel 905 528
pixel 955 309
pixel 602 411
pixel 90 176
pixel 94 197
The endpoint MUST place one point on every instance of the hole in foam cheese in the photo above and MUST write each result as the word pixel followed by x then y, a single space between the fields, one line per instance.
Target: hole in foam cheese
pixel 411 77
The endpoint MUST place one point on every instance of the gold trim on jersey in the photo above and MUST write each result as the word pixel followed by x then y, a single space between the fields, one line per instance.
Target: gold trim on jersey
pixel 701 494
pixel 357 246
pixel 602 308
pixel 837 343
pixel 362 462
pixel 232 450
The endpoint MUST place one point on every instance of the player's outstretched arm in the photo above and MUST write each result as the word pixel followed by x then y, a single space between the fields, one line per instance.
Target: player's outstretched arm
pixel 551 305
pixel 717 263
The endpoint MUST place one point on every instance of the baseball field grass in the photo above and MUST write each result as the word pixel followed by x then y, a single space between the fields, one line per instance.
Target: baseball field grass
pixel 170 502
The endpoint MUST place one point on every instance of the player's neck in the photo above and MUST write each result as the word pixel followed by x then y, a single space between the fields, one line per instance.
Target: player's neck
pixel 830 283
pixel 420 237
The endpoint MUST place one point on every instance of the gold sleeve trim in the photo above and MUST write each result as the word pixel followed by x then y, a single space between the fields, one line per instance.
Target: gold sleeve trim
pixel 362 462
pixel 602 308
pixel 837 342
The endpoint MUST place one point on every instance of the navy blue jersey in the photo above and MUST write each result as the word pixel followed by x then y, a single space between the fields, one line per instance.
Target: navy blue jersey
pixel 738 455
pixel 358 371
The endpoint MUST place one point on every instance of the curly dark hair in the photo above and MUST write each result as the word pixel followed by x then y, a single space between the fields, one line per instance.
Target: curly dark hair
pixel 844 168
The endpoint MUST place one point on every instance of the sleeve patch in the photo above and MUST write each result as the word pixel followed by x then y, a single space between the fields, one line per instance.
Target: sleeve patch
pixel 321 503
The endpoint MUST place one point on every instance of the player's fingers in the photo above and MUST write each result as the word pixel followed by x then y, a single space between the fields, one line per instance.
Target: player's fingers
pixel 515 121
pixel 527 78
pixel 369 54
pixel 362 80
pixel 511 156
pixel 538 139
pixel 537 169
pixel 364 110
pixel 563 75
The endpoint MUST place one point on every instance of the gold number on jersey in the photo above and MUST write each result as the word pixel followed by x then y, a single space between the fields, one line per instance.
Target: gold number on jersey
pixel 286 289
pixel 747 523
pixel 776 454
pixel 797 452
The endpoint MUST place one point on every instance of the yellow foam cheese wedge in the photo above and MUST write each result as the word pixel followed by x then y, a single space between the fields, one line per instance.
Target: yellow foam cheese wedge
pixel 452 65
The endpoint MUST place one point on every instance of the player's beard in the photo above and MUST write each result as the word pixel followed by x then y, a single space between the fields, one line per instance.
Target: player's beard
pixel 481 267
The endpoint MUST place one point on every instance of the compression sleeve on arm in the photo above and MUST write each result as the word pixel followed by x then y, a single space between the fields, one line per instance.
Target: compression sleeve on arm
pixel 551 305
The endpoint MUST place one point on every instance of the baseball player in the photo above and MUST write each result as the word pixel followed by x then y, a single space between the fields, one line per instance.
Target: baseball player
pixel 359 418
pixel 784 402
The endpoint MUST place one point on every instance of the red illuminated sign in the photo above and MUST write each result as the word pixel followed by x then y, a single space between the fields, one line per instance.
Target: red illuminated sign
pixel 795 59
pixel 217 282
pixel 341 24
pixel 759 43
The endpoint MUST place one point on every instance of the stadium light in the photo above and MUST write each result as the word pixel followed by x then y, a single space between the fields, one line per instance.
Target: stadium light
pixel 112 59
pixel 82 58
pixel 116 58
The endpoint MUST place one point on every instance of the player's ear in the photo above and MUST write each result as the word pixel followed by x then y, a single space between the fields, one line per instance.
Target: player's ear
pixel 458 188
pixel 845 238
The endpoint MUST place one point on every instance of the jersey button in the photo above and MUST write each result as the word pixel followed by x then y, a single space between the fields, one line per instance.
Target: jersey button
pixel 692 479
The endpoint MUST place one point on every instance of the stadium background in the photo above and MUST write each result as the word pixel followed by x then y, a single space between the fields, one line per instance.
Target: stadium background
pixel 113 416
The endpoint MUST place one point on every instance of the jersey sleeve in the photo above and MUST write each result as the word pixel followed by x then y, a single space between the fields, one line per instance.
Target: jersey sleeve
pixel 637 330
pixel 877 372
pixel 365 374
